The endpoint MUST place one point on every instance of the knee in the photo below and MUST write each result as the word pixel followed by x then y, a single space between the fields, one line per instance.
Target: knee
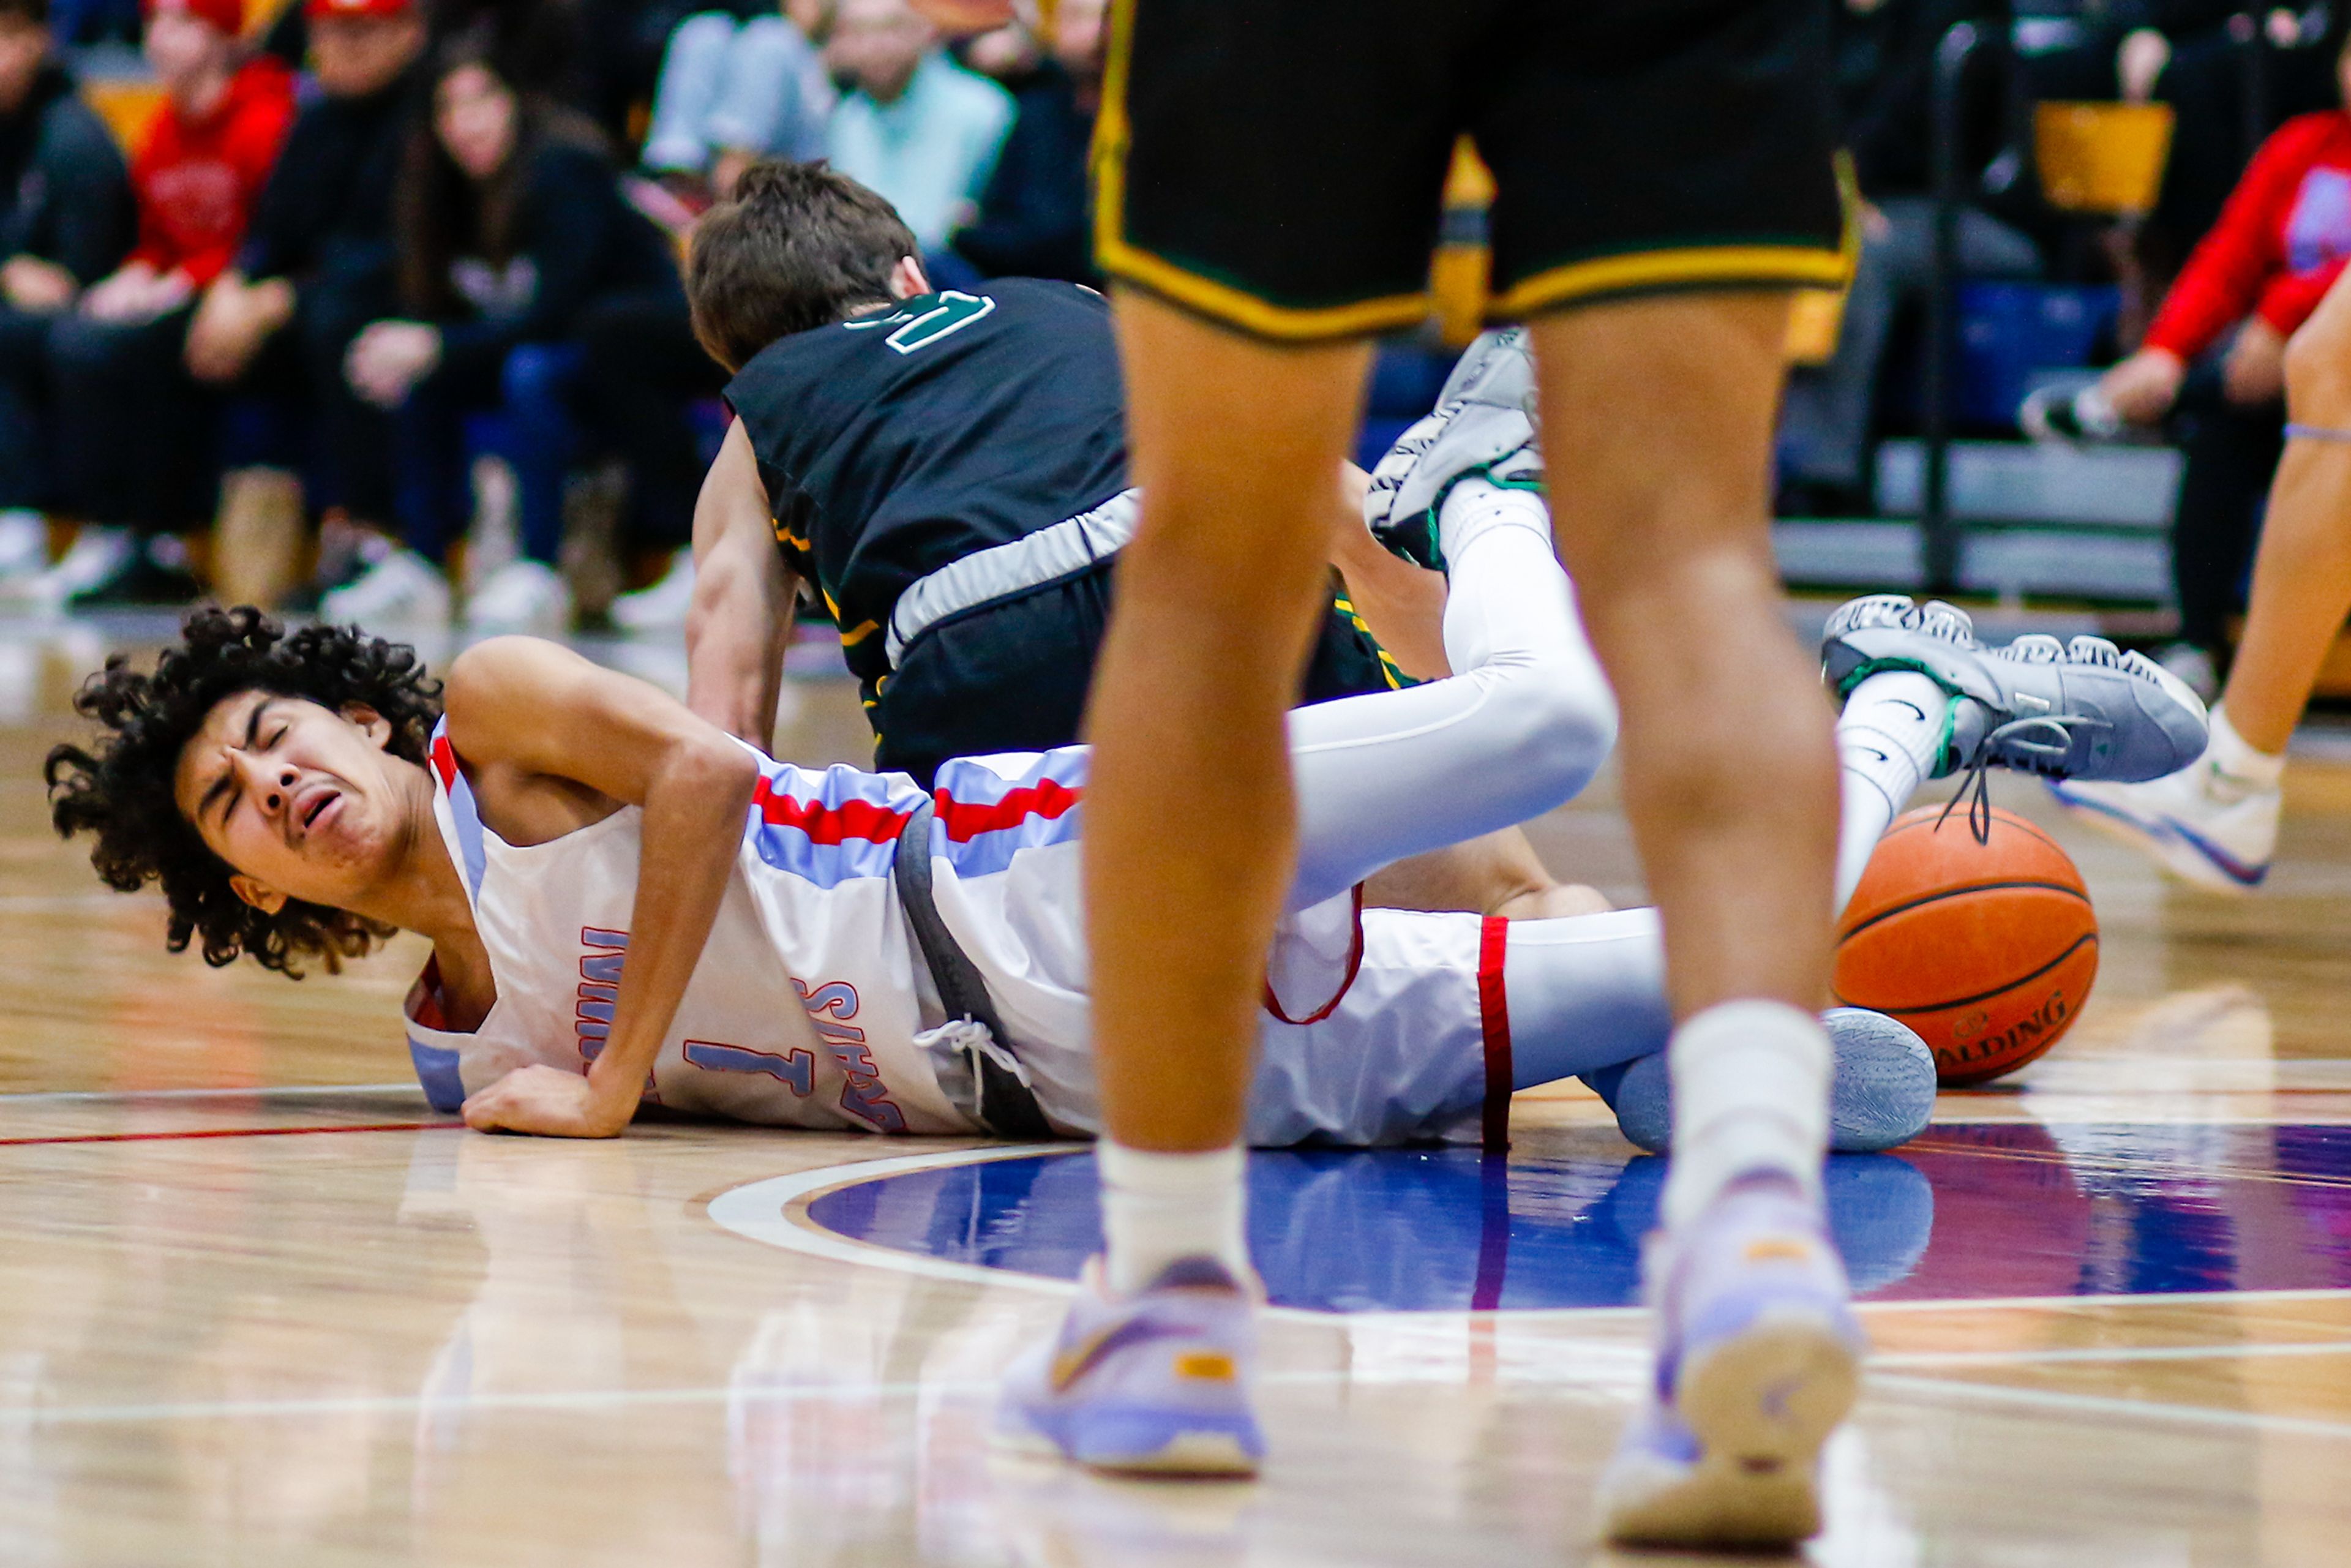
pixel 703 38
pixel 1563 724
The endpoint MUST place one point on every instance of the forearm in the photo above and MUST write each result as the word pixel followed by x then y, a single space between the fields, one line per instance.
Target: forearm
pixel 741 618
pixel 735 635
pixel 694 811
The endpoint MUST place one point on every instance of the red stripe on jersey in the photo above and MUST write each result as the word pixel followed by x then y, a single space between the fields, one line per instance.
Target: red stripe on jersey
pixel 966 821
pixel 445 761
pixel 861 820
pixel 1494 1021
pixel 1346 981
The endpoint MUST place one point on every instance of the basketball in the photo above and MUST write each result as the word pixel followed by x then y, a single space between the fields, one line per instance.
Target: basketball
pixel 1986 949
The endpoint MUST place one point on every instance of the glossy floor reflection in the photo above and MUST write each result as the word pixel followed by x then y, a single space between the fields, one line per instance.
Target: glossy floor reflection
pixel 1966 1212
pixel 260 1306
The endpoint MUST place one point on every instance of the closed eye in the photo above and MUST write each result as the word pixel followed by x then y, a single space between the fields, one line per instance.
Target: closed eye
pixel 226 790
pixel 228 793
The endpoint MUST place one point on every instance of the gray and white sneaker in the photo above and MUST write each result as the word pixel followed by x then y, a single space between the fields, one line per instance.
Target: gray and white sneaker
pixel 1483 426
pixel 1881 1087
pixel 2082 709
pixel 2069 418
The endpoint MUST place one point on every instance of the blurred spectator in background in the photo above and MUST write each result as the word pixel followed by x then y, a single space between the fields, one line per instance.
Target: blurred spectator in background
pixel 1885 74
pixel 1033 216
pixel 2213 362
pixel 623 42
pixel 511 226
pixel 542 47
pixel 135 432
pixel 732 92
pixel 315 267
pixel 65 218
pixel 913 125
pixel 2196 59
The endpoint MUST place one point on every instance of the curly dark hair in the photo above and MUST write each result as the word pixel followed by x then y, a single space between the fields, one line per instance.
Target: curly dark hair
pixel 125 792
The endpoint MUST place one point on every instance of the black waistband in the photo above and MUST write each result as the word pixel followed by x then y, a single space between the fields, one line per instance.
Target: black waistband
pixel 1007 1107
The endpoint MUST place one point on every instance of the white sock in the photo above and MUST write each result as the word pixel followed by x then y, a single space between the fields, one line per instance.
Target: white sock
pixel 1159 1208
pixel 1888 738
pixel 1751 1085
pixel 1508 596
pixel 1476 505
pixel 2233 755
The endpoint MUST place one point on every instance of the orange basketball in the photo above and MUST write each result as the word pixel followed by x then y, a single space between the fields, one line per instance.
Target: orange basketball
pixel 1987 951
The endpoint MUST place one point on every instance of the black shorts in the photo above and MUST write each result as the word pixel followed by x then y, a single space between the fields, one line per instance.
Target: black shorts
pixel 1278 164
pixel 1012 674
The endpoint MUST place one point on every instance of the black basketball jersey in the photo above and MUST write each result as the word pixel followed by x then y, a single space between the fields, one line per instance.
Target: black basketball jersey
pixel 896 442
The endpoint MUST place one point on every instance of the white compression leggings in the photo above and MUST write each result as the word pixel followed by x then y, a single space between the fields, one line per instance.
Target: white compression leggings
pixel 1519 728
pixel 1585 994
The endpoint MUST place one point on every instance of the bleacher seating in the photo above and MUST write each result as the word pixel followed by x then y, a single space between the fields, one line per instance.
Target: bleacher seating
pixel 2013 336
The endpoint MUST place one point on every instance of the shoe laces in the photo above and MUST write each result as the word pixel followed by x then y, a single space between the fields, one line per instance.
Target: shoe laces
pixel 2037 744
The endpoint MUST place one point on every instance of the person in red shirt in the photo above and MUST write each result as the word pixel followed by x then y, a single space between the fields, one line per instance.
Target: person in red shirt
pixel 136 434
pixel 2280 242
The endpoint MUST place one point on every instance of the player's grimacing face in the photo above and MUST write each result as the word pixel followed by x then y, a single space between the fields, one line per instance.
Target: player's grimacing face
pixel 299 799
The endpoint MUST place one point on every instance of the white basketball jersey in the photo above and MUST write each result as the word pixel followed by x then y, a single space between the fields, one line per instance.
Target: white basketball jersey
pixel 804 1011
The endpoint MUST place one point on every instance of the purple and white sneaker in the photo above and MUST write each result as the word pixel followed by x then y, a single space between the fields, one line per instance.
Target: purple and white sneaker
pixel 1758 1358
pixel 1157 1382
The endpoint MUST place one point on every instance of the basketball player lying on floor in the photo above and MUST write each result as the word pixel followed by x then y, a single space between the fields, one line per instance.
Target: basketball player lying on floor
pixel 948 471
pixel 626 905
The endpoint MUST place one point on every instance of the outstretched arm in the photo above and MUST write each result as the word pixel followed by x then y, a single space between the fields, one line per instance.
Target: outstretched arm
pixel 741 619
pixel 545 713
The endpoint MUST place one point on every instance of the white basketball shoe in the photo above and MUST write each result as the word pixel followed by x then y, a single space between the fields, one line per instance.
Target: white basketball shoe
pixel 401 588
pixel 1759 1359
pixel 2202 823
pixel 523 595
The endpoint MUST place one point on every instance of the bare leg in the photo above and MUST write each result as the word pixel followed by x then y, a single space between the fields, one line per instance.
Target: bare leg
pixel 1657 426
pixel 2302 574
pixel 1498 875
pixel 1658 419
pixel 1190 834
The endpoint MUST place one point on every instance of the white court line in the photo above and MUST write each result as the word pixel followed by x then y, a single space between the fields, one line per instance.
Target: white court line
pixel 2105 1405
pixel 753 1393
pixel 2150 1299
pixel 408 1404
pixel 40 902
pixel 2095 1354
pixel 2186 1116
pixel 755 1211
pixel 282 1090
pixel 1878 1383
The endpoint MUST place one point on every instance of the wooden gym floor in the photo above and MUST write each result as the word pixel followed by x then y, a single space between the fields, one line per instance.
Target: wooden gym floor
pixel 259 1305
